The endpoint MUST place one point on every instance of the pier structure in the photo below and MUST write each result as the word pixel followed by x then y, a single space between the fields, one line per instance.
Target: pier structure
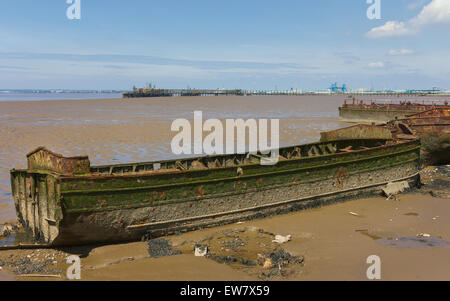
pixel 180 92
pixel 157 92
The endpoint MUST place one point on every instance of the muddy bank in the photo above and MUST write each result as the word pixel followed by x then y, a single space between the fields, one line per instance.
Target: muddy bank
pixel 332 243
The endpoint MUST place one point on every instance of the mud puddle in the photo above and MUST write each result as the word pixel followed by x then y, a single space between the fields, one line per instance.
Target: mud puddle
pixel 409 242
pixel 16 238
pixel 415 242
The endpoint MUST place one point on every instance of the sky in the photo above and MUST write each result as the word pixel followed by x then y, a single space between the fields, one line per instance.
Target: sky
pixel 246 44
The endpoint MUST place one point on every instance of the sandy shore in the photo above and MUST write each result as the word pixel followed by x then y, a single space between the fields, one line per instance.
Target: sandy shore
pixel 333 243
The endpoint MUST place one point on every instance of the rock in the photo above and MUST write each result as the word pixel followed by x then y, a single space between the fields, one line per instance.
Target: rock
pixel 200 250
pixel 281 239
pixel 395 188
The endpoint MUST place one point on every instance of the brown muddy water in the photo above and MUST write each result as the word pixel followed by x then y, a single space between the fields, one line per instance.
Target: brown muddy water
pixel 332 243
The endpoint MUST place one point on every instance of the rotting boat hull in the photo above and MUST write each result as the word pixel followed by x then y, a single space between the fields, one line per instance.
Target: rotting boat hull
pixel 124 202
pixel 433 128
pixel 380 113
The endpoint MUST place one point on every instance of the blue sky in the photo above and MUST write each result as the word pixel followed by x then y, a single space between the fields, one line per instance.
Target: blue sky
pixel 245 44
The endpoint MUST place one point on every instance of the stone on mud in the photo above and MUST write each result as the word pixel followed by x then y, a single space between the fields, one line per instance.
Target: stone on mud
pixel 395 188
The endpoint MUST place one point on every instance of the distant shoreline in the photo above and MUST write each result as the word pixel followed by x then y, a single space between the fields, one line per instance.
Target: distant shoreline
pixel 79 96
pixel 29 96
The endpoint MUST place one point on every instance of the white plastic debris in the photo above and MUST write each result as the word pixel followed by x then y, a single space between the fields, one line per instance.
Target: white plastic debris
pixel 281 239
pixel 353 213
pixel 395 188
pixel 423 235
pixel 200 250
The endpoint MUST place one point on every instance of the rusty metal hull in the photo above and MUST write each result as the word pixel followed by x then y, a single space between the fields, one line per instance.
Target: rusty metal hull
pixel 123 202
pixel 433 128
pixel 367 113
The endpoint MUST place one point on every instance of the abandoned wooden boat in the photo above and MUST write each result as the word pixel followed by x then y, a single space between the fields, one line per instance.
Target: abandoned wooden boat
pixel 357 111
pixel 65 201
pixel 433 128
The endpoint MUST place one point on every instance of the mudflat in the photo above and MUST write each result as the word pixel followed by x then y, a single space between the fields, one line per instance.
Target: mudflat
pixel 334 242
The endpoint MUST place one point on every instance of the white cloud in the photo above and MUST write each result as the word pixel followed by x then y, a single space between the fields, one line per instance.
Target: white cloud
pixel 437 11
pixel 376 65
pixel 400 52
pixel 390 29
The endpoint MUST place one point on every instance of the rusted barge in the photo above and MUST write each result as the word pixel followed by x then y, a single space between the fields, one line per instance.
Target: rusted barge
pixel 433 128
pixel 358 111
pixel 66 201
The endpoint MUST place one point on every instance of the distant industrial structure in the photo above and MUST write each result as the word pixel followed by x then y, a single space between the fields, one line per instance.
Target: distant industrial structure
pixel 335 89
pixel 153 91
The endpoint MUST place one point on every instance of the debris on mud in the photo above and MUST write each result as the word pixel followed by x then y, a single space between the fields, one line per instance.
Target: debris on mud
pixel 252 250
pixel 436 181
pixel 281 239
pixel 26 265
pixel 200 250
pixel 161 247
